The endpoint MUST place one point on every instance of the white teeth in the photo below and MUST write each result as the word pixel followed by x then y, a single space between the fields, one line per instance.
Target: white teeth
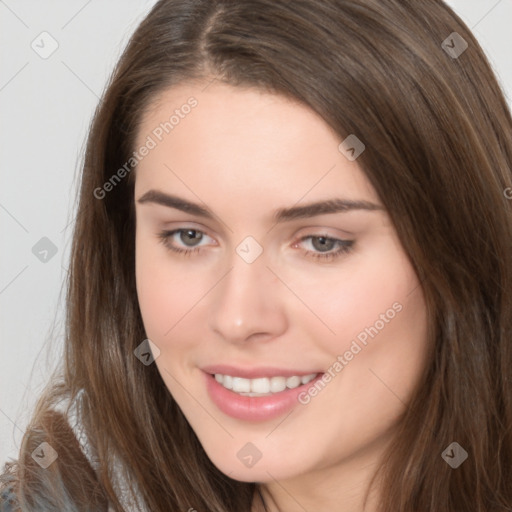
pixel 241 385
pixel 277 384
pixel 227 382
pixel 293 382
pixel 262 386
pixel 308 378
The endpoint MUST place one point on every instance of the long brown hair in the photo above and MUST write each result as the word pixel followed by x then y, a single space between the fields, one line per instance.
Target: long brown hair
pixel 438 137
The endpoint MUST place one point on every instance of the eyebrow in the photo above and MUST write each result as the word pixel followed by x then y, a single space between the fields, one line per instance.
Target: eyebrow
pixel 335 205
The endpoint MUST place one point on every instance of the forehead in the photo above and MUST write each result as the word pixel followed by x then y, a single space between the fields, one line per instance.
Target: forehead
pixel 243 141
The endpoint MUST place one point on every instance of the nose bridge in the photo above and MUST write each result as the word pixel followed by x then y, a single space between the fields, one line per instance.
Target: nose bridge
pixel 246 300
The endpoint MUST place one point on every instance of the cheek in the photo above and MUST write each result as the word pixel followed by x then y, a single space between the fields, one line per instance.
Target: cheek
pixel 369 292
pixel 164 293
pixel 381 327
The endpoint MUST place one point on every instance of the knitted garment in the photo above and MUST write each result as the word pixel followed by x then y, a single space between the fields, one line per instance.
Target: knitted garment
pixel 8 498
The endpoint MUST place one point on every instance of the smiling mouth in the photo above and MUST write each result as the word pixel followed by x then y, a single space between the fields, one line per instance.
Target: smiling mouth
pixel 262 386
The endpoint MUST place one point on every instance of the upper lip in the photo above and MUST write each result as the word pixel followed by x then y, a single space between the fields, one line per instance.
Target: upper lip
pixel 254 372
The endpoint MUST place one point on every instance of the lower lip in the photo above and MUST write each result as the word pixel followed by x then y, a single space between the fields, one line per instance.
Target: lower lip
pixel 254 408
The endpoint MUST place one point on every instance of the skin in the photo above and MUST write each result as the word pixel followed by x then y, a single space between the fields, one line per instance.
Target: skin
pixel 243 154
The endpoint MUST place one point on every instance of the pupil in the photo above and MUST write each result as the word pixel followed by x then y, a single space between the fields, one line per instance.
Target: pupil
pixel 191 234
pixel 325 243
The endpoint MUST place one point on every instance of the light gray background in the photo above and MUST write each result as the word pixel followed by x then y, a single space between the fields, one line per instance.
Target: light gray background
pixel 46 106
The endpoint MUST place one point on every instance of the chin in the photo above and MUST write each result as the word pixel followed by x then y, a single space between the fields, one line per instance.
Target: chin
pixel 261 471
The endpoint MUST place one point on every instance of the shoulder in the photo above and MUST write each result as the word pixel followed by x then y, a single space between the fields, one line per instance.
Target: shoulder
pixel 8 499
pixel 60 426
pixel 72 409
pixel 76 448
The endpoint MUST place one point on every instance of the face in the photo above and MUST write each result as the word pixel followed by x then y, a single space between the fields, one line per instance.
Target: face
pixel 254 291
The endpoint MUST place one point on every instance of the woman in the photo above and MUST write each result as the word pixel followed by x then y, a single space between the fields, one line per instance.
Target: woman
pixel 290 281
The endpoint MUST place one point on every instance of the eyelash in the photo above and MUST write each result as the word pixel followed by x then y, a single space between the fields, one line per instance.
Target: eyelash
pixel 345 246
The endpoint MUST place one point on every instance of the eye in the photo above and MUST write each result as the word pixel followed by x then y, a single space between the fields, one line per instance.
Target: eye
pixel 323 247
pixel 188 236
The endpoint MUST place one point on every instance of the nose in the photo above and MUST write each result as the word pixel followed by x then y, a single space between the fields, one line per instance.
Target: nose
pixel 247 303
